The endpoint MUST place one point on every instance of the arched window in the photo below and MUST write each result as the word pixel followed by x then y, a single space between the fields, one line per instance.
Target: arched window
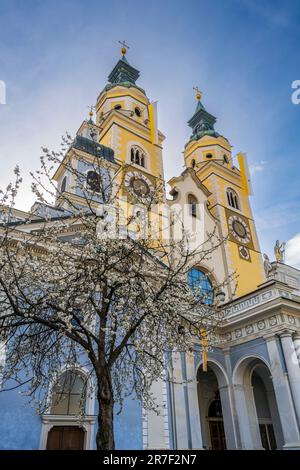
pixel 192 202
pixel 201 285
pixel 63 184
pixel 93 181
pixel 68 395
pixel 233 199
pixel 137 156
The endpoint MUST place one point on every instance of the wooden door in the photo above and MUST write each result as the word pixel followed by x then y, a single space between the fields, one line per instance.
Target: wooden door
pixel 217 435
pixel 65 438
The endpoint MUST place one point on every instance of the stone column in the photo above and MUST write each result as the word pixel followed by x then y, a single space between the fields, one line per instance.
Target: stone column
pixel 180 417
pixel 284 399
pixel 293 369
pixel 234 440
pixel 228 418
pixel 192 391
pixel 247 419
pixel 296 338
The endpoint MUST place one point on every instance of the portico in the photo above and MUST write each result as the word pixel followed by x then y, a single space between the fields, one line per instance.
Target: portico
pixel 249 396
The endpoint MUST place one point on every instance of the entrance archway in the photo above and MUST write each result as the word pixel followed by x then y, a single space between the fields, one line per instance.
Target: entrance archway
pixel 264 416
pixel 257 410
pixel 216 425
pixel 215 409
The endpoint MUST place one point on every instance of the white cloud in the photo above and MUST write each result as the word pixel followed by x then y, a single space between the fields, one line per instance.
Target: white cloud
pixel 257 168
pixel 292 254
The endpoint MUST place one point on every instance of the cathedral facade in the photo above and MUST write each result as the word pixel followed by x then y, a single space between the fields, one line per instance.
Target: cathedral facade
pixel 249 397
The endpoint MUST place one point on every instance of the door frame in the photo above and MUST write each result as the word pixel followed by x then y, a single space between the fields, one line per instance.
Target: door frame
pixel 62 430
pixel 87 423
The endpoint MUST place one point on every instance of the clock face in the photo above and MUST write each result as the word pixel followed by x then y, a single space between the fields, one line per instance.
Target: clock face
pixel 239 229
pixel 138 185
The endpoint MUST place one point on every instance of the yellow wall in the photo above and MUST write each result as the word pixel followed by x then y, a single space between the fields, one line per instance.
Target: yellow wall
pixel 123 128
pixel 120 129
pixel 217 176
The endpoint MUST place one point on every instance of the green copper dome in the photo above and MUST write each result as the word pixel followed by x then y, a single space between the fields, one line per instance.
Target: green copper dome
pixel 202 123
pixel 123 74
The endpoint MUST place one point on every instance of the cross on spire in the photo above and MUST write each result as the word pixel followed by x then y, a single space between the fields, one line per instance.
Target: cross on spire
pixel 198 93
pixel 124 47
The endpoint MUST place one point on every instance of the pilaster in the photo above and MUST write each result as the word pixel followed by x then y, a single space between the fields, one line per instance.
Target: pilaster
pixel 293 369
pixel 284 399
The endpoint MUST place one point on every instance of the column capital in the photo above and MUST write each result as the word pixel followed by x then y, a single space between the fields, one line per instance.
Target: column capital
pixel 226 350
pixel 296 335
pixel 270 337
pixel 286 334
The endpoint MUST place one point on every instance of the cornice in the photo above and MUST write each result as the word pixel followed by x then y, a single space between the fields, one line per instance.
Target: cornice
pixel 270 310
pixel 121 120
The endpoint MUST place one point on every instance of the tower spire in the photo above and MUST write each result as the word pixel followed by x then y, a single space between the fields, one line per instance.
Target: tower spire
pixel 91 112
pixel 202 122
pixel 123 72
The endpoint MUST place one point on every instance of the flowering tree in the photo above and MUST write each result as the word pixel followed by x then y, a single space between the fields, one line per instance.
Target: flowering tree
pixel 77 290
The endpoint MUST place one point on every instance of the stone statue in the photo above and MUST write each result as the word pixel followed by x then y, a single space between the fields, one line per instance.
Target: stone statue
pixel 268 266
pixel 279 250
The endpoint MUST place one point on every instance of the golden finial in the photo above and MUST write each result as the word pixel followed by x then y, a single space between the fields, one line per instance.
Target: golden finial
pixel 124 47
pixel 91 113
pixel 198 93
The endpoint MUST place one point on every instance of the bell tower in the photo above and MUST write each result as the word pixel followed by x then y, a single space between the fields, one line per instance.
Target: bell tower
pixel 127 124
pixel 209 153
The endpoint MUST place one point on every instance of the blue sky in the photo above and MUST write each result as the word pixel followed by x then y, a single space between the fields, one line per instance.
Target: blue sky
pixel 243 54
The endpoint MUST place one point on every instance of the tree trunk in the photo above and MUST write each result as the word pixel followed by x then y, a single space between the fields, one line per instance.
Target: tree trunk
pixel 105 434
